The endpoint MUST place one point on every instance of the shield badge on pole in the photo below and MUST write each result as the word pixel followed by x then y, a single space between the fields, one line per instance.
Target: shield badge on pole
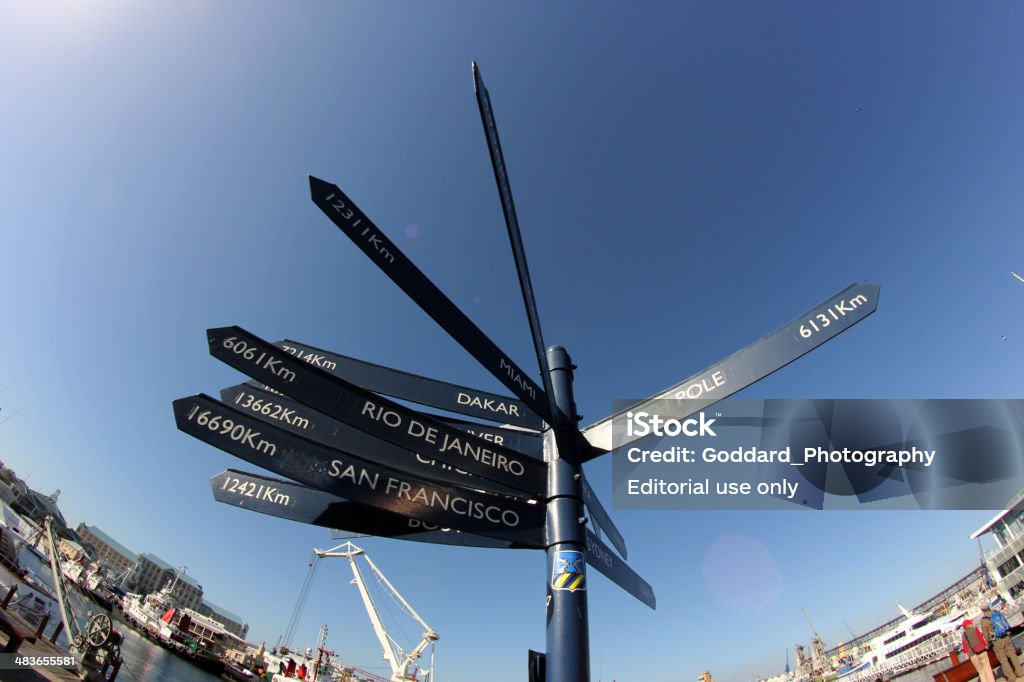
pixel 569 571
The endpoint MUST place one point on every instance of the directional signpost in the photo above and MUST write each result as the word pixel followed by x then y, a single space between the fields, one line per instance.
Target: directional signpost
pixel 267 402
pixel 359 480
pixel 468 401
pixel 374 414
pixel 361 463
pixel 295 502
pixel 616 570
pixel 382 251
pixel 299 419
pixel 749 365
pixel 601 516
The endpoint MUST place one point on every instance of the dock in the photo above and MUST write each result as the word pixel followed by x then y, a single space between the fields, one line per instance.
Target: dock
pixel 37 646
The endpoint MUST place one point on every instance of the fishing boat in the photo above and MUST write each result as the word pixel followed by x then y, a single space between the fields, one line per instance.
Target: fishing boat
pixel 142 612
pixel 198 638
pixel 191 635
pixel 321 667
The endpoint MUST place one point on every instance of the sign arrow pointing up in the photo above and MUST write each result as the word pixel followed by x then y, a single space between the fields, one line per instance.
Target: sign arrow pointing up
pixel 382 251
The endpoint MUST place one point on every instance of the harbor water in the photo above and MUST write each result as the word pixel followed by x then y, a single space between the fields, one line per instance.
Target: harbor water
pixel 145 661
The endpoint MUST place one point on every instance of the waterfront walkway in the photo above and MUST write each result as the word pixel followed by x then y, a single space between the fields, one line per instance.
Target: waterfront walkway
pixel 40 647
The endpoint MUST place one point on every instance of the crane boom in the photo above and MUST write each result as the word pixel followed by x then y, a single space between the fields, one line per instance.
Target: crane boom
pixel 807 618
pixel 371 610
pixel 398 659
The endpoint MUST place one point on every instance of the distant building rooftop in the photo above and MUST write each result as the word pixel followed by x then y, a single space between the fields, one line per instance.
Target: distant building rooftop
pixel 988 526
pixel 206 621
pixel 117 546
pixel 167 567
pixel 46 505
pixel 224 612
pixel 1011 505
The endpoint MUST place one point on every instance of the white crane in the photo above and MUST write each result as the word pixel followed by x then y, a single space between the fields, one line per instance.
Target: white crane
pixel 399 660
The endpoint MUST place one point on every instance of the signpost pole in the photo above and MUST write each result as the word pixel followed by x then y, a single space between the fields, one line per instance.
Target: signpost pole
pixel 568 643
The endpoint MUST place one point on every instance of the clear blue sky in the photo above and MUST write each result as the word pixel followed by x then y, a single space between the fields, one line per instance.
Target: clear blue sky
pixel 688 177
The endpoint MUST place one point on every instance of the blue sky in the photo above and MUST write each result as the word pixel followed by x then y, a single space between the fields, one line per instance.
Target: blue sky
pixel 688 177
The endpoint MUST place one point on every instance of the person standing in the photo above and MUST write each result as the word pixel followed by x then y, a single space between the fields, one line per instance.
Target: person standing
pixel 997 631
pixel 976 647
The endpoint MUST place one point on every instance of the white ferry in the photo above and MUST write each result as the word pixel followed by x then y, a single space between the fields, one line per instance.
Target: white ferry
pixel 918 639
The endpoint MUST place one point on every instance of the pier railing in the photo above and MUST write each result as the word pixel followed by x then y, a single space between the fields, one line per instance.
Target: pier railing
pixel 918 657
pixel 998 555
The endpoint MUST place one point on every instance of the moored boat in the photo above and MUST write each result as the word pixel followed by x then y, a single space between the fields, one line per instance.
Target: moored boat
pixel 233 671
pixel 913 642
pixel 24 569
pixel 194 637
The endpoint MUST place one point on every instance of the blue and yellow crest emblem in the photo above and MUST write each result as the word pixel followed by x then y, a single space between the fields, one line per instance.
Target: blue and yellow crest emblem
pixel 569 571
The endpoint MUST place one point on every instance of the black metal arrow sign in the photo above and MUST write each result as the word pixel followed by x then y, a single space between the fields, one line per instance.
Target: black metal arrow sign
pixel 744 367
pixel 265 445
pixel 602 518
pixel 521 441
pixel 290 415
pixel 396 265
pixel 295 502
pixel 406 386
pixel 374 414
pixel 616 570
pixel 508 208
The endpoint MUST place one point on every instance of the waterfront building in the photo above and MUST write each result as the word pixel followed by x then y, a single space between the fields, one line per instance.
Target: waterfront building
pixel 72 551
pixel 6 493
pixel 36 507
pixel 154 573
pixel 33 507
pixel 232 623
pixel 111 554
pixel 149 573
pixel 237 649
pixel 1005 561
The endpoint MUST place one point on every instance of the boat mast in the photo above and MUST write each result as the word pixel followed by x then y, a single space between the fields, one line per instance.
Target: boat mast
pixel 177 574
pixel 321 641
